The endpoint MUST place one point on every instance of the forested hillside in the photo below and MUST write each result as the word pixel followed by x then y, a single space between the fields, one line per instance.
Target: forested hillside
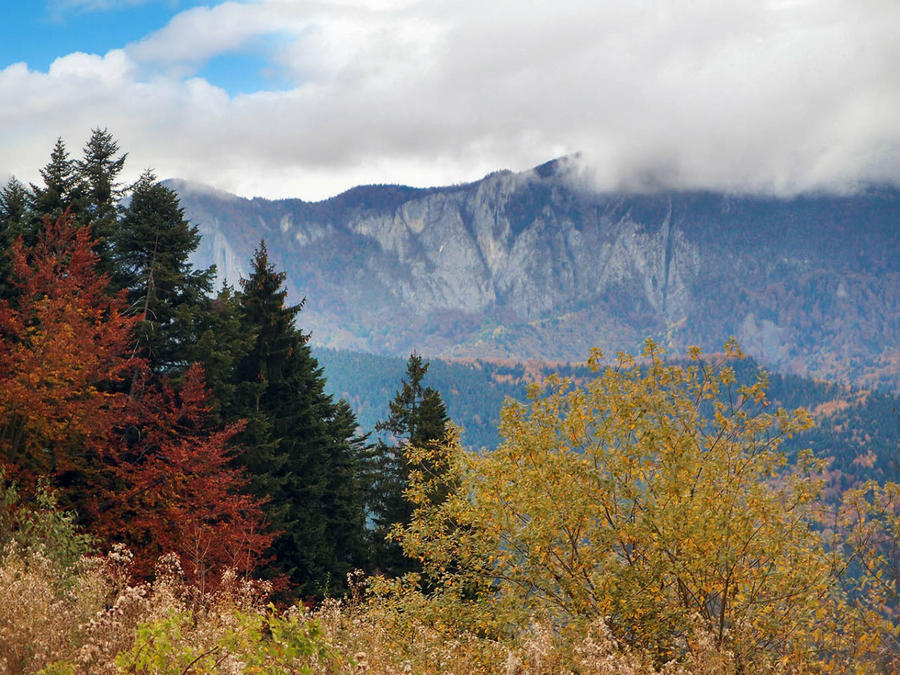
pixel 858 429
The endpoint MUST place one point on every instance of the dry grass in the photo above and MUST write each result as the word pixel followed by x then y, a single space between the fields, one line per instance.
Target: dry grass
pixel 81 621
pixel 92 620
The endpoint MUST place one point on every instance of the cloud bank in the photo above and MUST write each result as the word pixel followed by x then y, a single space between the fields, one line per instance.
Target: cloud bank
pixel 774 95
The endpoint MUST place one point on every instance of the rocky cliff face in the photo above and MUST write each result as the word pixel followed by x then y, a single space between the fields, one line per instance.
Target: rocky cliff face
pixel 531 266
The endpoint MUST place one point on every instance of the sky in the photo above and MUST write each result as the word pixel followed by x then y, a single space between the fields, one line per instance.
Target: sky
pixel 307 98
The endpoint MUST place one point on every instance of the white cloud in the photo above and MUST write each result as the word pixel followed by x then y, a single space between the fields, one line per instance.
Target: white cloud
pixel 112 69
pixel 202 32
pixel 777 95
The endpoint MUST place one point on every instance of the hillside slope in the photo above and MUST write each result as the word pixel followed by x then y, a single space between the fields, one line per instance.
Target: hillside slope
pixel 531 265
pixel 858 430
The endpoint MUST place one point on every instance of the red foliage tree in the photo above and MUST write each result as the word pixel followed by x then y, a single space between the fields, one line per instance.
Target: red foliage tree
pixel 64 352
pixel 182 494
pixel 145 467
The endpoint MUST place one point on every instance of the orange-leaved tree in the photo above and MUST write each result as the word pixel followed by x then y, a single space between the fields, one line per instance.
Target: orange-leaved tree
pixel 179 491
pixel 142 465
pixel 64 351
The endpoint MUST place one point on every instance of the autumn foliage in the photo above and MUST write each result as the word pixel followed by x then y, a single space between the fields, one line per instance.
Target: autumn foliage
pixel 65 351
pixel 653 500
pixel 177 491
pixel 141 464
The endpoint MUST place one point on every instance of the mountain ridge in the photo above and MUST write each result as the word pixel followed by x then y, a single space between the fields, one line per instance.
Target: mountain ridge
pixel 536 265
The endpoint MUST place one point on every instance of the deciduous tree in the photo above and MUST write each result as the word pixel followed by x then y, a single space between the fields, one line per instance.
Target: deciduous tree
pixel 867 525
pixel 65 346
pixel 654 499
pixel 179 491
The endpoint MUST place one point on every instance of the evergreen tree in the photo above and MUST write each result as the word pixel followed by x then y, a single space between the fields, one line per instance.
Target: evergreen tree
pixel 13 205
pixel 417 417
pixel 152 245
pixel 223 339
pixel 265 312
pixel 98 171
pixel 62 186
pixel 299 446
pixel 257 384
pixel 348 487
pixel 13 221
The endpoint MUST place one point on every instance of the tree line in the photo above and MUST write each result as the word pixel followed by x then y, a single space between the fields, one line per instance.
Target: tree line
pixel 170 417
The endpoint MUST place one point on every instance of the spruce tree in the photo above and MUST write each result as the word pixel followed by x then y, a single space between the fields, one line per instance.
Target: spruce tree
pixel 349 489
pixel 152 245
pixel 61 189
pixel 98 171
pixel 418 416
pixel 257 384
pixel 13 223
pixel 299 446
pixel 13 205
pixel 223 340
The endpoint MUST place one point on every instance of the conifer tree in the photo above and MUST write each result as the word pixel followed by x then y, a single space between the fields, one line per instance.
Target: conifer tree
pixel 13 221
pixel 349 483
pixel 152 246
pixel 223 339
pixel 62 188
pixel 299 445
pixel 98 171
pixel 256 383
pixel 418 416
pixel 13 205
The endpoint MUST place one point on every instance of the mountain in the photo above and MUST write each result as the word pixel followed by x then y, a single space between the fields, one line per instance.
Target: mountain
pixel 538 265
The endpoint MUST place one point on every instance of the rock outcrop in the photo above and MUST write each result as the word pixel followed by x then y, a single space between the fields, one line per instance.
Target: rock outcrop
pixel 531 265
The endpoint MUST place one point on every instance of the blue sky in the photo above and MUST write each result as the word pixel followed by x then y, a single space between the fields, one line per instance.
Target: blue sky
pixel 38 32
pixel 307 98
pixel 44 31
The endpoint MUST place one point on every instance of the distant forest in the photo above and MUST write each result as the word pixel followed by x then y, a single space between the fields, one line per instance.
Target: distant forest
pixel 858 429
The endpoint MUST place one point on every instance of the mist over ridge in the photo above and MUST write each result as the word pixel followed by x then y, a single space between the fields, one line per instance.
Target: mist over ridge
pixel 539 264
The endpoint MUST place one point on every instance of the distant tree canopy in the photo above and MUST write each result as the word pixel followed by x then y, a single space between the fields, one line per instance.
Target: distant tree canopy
pixel 856 429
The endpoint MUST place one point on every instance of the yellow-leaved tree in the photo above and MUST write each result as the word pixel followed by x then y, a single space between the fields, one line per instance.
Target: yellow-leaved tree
pixel 653 500
pixel 868 519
